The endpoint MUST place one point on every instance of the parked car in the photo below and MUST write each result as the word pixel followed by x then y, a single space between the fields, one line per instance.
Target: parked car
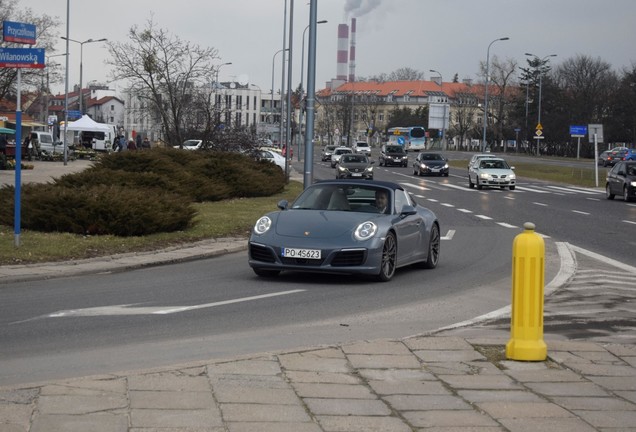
pixel 273 157
pixel 335 227
pixel 191 144
pixel 339 151
pixel 327 151
pixel 43 142
pixel 362 147
pixel 355 166
pixel 621 180
pixel 491 172
pixel 392 154
pixel 429 164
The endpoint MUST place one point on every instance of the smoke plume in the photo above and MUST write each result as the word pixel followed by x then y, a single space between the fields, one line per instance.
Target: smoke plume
pixel 357 8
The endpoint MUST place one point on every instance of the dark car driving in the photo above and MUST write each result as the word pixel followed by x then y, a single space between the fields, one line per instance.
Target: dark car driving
pixel 621 180
pixel 430 164
pixel 355 166
pixel 393 155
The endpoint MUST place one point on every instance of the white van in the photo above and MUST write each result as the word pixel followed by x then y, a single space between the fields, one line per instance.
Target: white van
pixel 43 141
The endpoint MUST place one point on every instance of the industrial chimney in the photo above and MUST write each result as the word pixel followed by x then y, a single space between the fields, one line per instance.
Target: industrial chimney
pixel 343 41
pixel 352 52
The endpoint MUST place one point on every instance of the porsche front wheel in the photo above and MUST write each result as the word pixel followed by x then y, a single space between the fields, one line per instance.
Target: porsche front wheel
pixel 434 244
pixel 389 258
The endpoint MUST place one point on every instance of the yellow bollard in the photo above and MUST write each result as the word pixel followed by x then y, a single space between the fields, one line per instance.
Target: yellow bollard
pixel 526 326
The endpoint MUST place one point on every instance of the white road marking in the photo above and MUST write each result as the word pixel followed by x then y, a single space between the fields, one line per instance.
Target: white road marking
pixel 447 205
pixel 484 217
pixel 506 225
pixel 449 235
pixel 580 212
pixel 583 190
pixel 540 204
pixel 465 210
pixel 155 310
pixel 524 188
pixel 629 222
pixel 604 259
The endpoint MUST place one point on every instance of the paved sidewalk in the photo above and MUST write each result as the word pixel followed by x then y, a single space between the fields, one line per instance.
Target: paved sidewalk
pixel 439 383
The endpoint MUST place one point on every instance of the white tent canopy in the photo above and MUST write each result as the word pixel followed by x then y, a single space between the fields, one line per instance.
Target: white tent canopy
pixel 88 124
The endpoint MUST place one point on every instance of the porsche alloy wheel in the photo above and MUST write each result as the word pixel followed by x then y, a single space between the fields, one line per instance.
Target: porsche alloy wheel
pixel 433 248
pixel 389 258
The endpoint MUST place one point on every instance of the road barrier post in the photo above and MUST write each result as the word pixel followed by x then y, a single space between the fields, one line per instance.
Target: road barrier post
pixel 528 271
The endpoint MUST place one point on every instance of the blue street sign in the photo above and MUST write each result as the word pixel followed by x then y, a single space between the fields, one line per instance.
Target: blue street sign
pixel 74 114
pixel 578 130
pixel 18 32
pixel 401 140
pixel 23 58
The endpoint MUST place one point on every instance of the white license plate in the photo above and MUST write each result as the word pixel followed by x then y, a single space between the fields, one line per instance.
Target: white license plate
pixel 356 175
pixel 301 253
pixel 435 169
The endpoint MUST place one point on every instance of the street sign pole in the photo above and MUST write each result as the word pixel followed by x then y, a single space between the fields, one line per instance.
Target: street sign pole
pixel 596 156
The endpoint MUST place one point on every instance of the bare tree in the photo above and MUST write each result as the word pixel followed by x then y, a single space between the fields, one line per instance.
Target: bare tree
pixel 502 74
pixel 406 74
pixel 463 116
pixel 165 72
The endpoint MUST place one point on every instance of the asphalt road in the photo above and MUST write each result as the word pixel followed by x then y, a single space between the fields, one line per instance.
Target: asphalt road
pixel 43 338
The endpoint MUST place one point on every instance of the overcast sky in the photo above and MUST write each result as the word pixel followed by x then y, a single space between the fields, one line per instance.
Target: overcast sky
pixel 451 36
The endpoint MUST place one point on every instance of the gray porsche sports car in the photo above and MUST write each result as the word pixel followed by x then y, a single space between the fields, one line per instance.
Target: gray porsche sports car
pixel 346 226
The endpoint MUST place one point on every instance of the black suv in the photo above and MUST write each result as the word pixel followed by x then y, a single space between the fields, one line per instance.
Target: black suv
pixel 392 154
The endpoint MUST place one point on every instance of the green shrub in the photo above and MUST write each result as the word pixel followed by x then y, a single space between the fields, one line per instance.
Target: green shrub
pixel 100 209
pixel 140 193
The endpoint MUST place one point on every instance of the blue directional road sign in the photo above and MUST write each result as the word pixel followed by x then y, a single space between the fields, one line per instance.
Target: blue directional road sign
pixel 579 131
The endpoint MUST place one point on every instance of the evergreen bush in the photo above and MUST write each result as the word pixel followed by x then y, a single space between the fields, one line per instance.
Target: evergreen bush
pixel 139 193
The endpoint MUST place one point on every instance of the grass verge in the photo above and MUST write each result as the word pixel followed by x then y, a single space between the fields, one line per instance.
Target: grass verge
pixel 229 218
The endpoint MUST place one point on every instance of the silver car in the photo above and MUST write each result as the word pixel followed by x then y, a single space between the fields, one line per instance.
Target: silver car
pixel 491 172
pixel 337 153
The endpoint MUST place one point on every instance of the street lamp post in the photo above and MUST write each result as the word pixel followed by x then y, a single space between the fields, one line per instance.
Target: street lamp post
pixel 47 90
pixel 271 103
pixel 441 82
pixel 218 68
pixel 302 89
pixel 81 65
pixel 541 62
pixel 483 142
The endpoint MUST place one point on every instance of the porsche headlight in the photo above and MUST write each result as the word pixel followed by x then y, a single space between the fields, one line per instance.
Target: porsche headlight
pixel 365 231
pixel 262 225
